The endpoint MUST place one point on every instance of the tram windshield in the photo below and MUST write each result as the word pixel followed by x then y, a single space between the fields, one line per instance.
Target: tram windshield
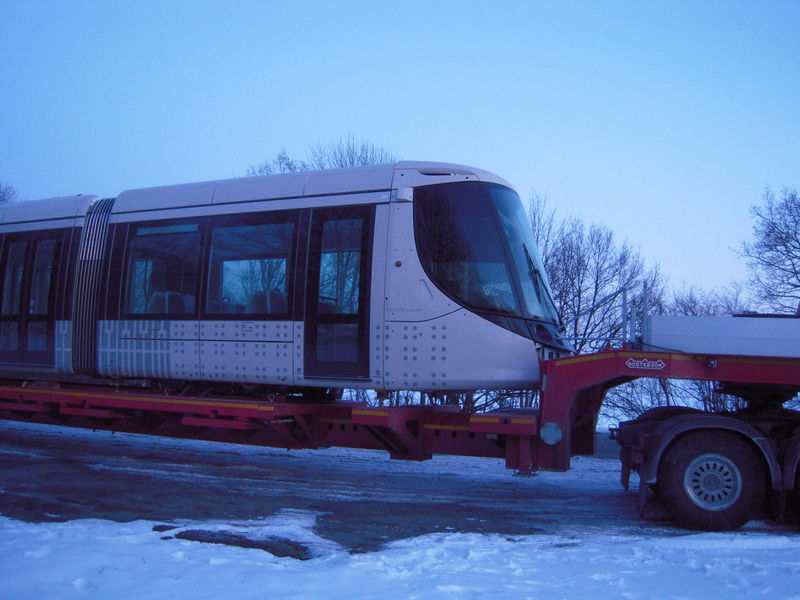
pixel 476 244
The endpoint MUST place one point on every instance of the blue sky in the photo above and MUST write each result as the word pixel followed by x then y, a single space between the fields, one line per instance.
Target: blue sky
pixel 662 120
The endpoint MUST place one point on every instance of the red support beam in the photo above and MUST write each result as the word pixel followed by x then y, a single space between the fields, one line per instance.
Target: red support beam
pixel 573 388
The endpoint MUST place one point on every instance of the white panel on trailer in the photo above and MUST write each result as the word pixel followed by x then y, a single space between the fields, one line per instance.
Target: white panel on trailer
pixel 742 336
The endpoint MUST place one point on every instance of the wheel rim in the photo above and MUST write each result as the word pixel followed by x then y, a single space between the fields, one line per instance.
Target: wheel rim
pixel 712 482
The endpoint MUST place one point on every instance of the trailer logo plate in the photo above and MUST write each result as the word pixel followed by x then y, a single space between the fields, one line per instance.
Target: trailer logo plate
pixel 645 363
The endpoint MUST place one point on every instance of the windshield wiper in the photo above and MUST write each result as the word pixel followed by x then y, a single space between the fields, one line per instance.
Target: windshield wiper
pixel 538 280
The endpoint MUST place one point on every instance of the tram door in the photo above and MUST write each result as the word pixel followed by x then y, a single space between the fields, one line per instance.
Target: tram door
pixel 27 279
pixel 337 293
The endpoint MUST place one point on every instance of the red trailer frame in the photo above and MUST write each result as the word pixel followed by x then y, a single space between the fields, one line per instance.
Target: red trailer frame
pixel 572 390
pixel 408 432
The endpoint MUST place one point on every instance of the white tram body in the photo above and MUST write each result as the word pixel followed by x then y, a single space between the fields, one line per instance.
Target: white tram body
pixel 414 276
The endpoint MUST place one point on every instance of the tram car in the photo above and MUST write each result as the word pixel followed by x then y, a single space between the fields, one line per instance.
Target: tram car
pixel 412 276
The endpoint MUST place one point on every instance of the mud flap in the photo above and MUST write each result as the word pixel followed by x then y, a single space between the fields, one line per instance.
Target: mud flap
pixel 649 505
pixel 625 476
pixel 645 499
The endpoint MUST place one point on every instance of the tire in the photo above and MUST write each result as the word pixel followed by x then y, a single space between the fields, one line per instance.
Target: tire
pixel 792 510
pixel 712 481
pixel 662 413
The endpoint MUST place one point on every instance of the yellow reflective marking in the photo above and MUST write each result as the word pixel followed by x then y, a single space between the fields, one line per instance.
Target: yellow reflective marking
pixel 371 413
pixel 152 399
pixel 447 427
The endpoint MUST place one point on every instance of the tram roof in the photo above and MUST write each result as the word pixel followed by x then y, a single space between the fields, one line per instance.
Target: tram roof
pixel 49 212
pixel 299 185
pixel 266 187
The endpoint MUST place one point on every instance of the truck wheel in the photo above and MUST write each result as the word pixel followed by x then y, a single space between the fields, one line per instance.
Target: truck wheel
pixel 793 502
pixel 711 480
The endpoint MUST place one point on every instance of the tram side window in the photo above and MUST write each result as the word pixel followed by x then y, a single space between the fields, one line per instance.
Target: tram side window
pixel 340 267
pixel 26 278
pixel 39 297
pixel 42 274
pixel 12 294
pixel 339 289
pixel 162 269
pixel 12 278
pixel 249 264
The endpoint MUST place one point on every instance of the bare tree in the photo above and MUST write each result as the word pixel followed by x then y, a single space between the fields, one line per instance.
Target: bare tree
pixel 774 253
pixel 589 274
pixel 630 400
pixel 340 153
pixel 282 163
pixel 696 302
pixel 348 152
pixel 7 193
pixel 544 224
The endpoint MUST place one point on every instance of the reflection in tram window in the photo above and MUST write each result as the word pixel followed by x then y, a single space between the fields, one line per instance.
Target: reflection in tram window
pixel 26 275
pixel 162 270
pixel 337 294
pixel 12 278
pixel 460 245
pixel 475 242
pixel 12 294
pixel 42 275
pixel 248 269
pixel 340 267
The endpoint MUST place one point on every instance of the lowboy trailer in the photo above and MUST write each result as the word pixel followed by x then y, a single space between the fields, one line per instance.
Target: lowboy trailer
pixel 711 471
pixel 411 276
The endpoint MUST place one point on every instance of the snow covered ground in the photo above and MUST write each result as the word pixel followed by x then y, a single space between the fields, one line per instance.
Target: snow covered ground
pixel 590 555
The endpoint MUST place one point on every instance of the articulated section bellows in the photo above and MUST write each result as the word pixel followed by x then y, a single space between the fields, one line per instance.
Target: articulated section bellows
pixel 86 308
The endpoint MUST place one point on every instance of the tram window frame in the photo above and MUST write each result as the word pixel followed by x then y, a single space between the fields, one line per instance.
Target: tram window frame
pixel 12 282
pixel 268 300
pixel 67 261
pixel 40 295
pixel 336 342
pixel 29 285
pixel 178 304
pixel 13 276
